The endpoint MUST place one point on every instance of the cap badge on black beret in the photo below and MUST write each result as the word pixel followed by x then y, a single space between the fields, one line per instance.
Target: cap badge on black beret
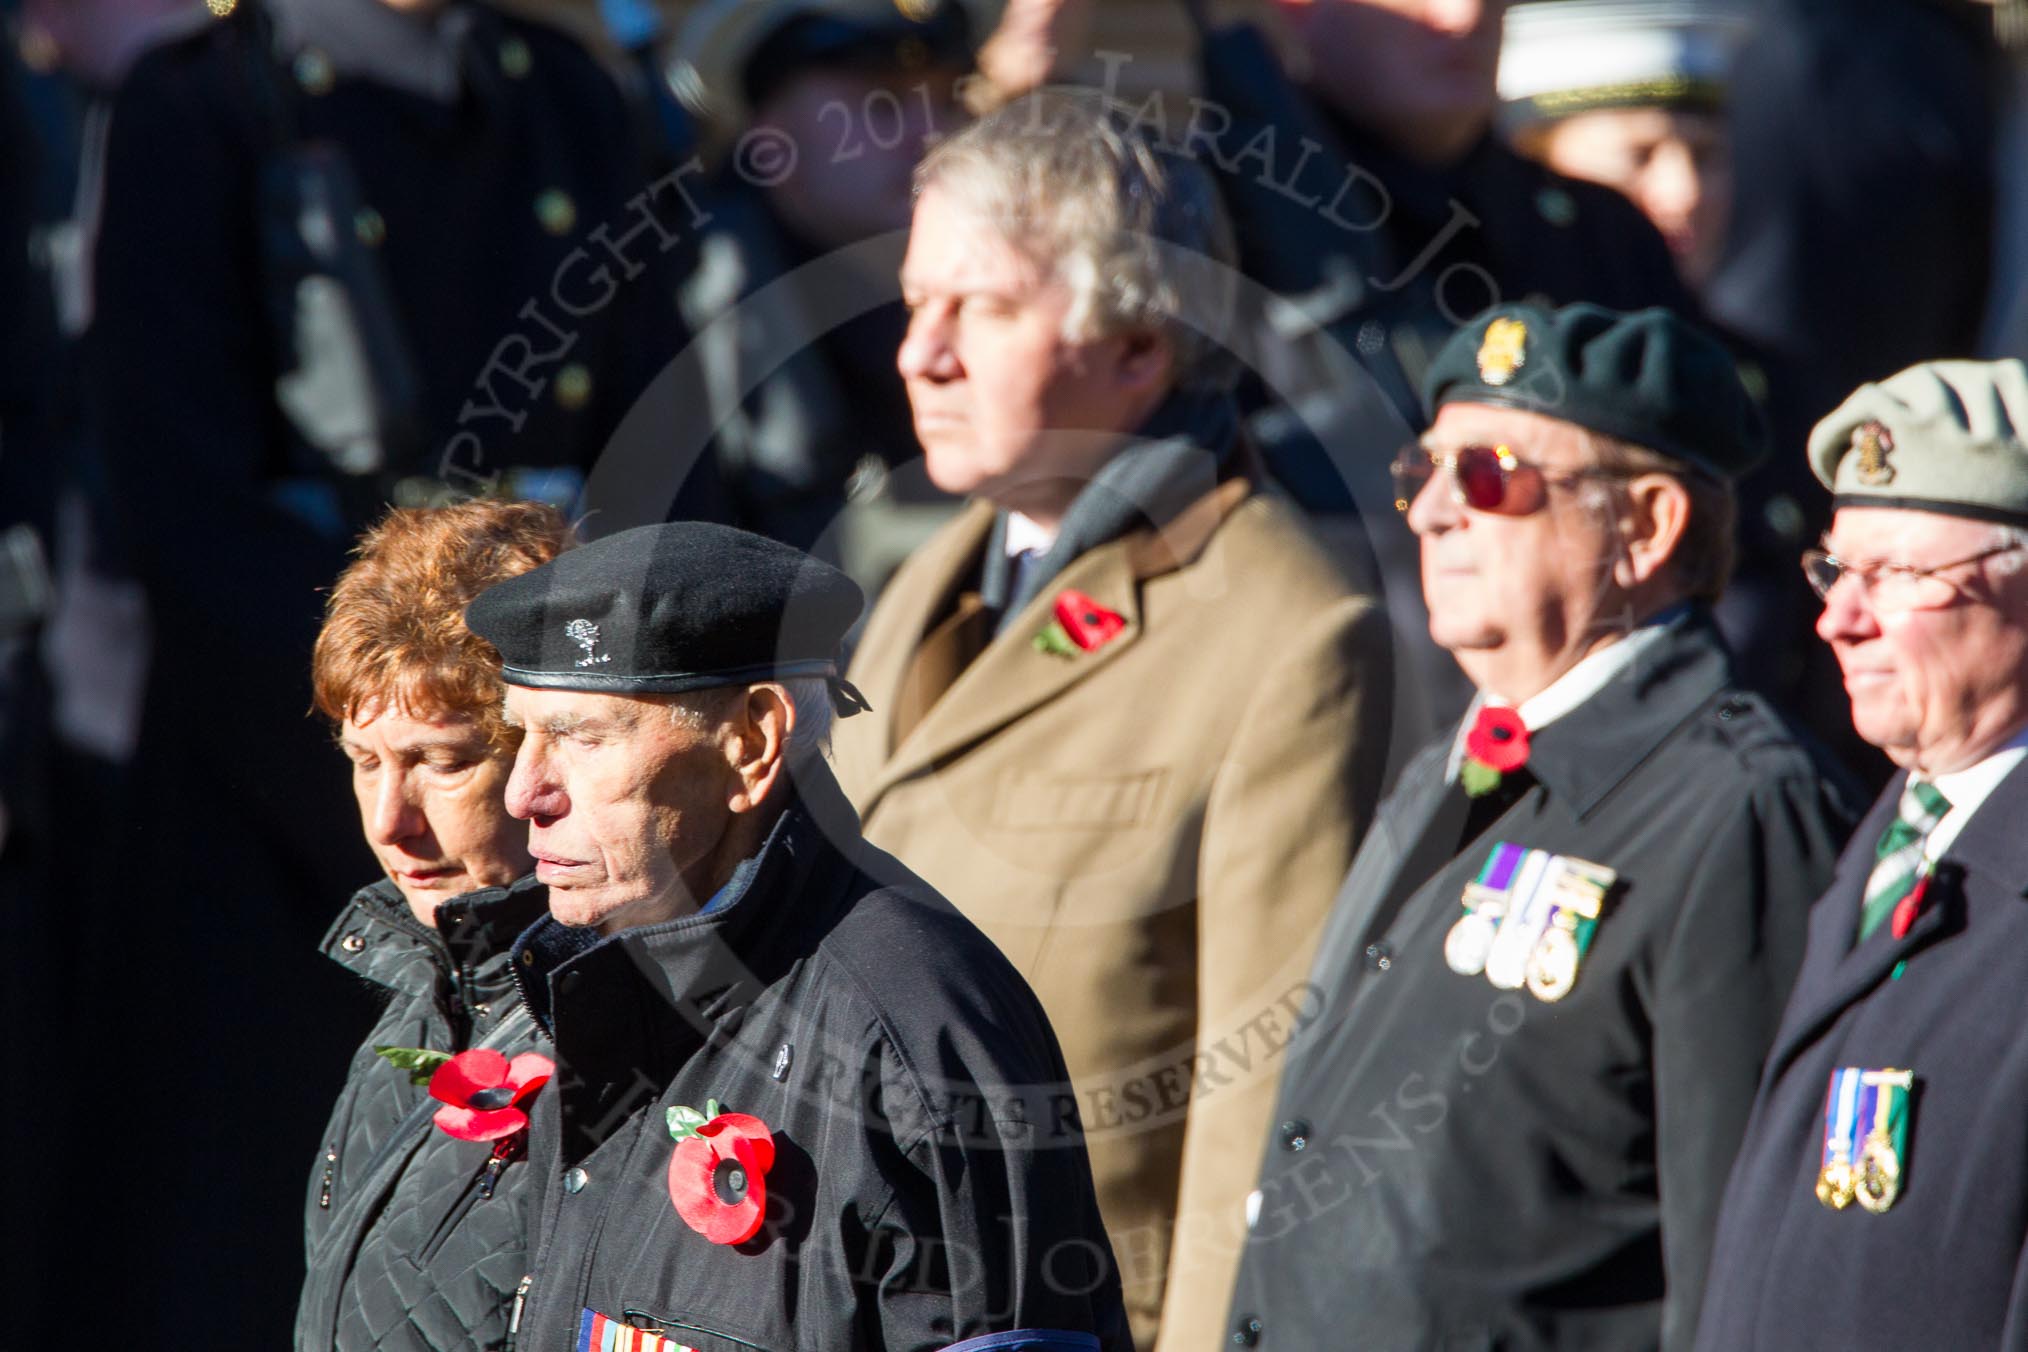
pixel 1503 351
pixel 1872 443
pixel 917 11
pixel 585 635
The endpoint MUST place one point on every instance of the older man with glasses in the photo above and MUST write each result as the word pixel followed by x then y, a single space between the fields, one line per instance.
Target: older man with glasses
pixel 1881 1197
pixel 1561 952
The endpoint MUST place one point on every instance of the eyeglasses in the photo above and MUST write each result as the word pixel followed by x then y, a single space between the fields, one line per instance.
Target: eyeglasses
pixel 1484 478
pixel 1892 586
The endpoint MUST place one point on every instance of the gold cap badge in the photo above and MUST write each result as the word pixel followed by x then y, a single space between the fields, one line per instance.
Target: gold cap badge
pixel 1872 443
pixel 1503 352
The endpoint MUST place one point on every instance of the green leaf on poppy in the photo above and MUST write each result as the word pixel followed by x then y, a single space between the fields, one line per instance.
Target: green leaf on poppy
pixel 711 1109
pixel 420 1062
pixel 684 1122
pixel 1055 640
pixel 1478 778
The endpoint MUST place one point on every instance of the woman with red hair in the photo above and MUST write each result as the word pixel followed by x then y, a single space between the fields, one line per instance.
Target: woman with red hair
pixel 418 1218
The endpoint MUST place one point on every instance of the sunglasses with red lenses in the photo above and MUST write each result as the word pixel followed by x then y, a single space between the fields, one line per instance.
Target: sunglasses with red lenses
pixel 1481 476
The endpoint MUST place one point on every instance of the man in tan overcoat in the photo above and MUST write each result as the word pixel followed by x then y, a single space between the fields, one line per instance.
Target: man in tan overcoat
pixel 1128 716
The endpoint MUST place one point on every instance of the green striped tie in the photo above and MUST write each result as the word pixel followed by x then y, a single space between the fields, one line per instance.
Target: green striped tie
pixel 1898 857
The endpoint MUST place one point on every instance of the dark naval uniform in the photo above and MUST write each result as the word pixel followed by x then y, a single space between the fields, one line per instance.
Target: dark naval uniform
pixel 929 1182
pixel 1946 1264
pixel 1460 1165
pixel 417 1240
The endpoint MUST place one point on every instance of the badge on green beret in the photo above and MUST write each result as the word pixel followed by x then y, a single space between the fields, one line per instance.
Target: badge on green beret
pixel 1503 351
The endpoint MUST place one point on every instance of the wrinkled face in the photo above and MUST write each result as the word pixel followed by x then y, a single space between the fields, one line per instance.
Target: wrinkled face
pixel 1676 167
pixel 1413 69
pixel 1939 688
pixel 624 805
pixel 1517 591
pixel 430 800
pixel 1005 406
pixel 857 136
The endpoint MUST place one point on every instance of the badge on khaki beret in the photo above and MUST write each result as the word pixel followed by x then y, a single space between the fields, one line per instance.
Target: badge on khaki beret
pixel 1503 351
pixel 1872 443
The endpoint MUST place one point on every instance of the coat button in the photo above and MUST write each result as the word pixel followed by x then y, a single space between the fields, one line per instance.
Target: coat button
pixel 352 943
pixel 574 1181
pixel 527 957
pixel 515 59
pixel 574 386
pixel 784 1055
pixel 1379 957
pixel 314 72
pixel 556 211
pixel 1295 1134
pixel 484 1011
pixel 1246 1333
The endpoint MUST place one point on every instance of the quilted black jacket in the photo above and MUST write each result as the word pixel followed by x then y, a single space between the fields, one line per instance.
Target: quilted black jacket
pixel 405 1250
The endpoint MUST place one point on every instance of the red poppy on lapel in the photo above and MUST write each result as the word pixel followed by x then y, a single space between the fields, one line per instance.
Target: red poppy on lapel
pixel 1496 745
pixel 718 1172
pixel 1081 625
pixel 482 1092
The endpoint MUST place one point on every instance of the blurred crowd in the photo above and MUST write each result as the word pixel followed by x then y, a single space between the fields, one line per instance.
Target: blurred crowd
pixel 274 266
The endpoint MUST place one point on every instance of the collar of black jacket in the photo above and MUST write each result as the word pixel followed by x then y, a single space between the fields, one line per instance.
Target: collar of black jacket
pixel 1584 755
pixel 479 925
pixel 713 960
pixel 377 935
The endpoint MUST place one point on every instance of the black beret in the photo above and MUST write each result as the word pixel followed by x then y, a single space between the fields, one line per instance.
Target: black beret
pixel 1648 378
pixel 665 609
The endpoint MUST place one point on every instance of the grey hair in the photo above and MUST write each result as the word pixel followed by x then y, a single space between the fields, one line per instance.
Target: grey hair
pixel 2004 537
pixel 808 696
pixel 1703 561
pixel 1137 233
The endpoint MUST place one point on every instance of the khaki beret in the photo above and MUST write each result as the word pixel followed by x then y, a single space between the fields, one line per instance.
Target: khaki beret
pixel 1942 436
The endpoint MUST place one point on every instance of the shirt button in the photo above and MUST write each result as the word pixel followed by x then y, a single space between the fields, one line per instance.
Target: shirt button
pixel 574 1182
pixel 1246 1333
pixel 1295 1134
pixel 1379 957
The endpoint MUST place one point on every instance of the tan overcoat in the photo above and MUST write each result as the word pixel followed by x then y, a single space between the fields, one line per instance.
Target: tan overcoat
pixel 1152 830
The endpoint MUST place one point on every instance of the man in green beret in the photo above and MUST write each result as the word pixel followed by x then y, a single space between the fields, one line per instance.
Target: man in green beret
pixel 1551 974
pixel 1883 1161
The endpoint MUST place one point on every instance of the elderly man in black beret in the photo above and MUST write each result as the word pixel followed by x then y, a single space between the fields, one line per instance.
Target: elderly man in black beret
pixel 800 1102
pixel 1562 950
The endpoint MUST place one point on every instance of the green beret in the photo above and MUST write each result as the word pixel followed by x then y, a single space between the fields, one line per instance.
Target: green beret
pixel 1943 436
pixel 667 609
pixel 1648 378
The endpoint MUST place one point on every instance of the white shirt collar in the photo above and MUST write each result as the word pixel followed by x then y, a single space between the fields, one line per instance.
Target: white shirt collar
pixel 1024 535
pixel 1568 691
pixel 1967 789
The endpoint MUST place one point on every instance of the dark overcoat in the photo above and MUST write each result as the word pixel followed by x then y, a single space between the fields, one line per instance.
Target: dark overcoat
pixel 1947 1264
pixel 1460 1166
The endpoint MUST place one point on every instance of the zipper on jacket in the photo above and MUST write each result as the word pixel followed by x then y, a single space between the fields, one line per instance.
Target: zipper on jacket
pixel 330 1174
pixel 520 1300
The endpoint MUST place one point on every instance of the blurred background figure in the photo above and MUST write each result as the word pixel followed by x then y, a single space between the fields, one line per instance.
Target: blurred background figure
pixel 814 113
pixel 1861 241
pixel 2006 332
pixel 1631 95
pixel 1864 153
pixel 1635 95
pixel 343 253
